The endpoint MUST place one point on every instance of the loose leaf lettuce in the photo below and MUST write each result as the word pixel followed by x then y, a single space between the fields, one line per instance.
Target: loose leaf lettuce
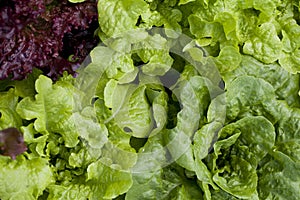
pixel 51 108
pixel 9 117
pixel 116 16
pixel 24 179
pixel 191 99
pixel 107 182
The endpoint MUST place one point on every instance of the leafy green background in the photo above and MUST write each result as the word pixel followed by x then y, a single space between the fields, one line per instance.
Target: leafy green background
pixel 226 127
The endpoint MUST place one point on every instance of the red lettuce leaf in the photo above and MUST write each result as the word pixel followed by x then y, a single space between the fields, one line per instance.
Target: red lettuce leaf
pixel 43 34
pixel 11 142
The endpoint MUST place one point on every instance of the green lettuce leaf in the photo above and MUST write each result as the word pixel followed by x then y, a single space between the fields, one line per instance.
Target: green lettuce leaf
pixel 75 190
pixel 24 179
pixel 131 110
pixel 182 2
pixel 154 51
pixel 167 183
pixel 8 103
pixel 206 32
pixel 107 182
pixel 150 186
pixel 116 16
pixel 194 97
pixel 237 153
pixel 264 45
pixel 51 109
pixel 278 178
pixel 188 99
pixel 249 95
pixel 284 83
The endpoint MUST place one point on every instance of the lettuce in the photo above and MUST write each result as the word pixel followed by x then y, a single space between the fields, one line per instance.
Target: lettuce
pixel 54 36
pixel 24 179
pixel 186 99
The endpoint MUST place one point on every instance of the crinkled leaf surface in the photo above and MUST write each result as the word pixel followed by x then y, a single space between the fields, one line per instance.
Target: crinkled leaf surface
pixel 51 109
pixel 107 182
pixel 217 118
pixel 117 16
pixel 24 179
